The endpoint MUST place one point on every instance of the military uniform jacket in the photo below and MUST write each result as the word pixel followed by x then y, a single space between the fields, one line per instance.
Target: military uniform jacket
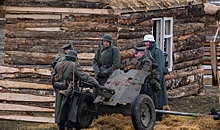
pixel 62 110
pixel 60 57
pixel 144 64
pixel 106 60
pixel 67 73
pixel 156 55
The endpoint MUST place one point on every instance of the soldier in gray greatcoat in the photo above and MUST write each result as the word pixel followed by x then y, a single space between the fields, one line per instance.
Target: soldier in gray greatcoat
pixel 61 55
pixel 65 110
pixel 151 86
pixel 106 60
pixel 156 55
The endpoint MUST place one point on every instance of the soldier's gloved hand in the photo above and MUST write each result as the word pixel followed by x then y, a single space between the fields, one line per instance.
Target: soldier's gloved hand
pixel 97 85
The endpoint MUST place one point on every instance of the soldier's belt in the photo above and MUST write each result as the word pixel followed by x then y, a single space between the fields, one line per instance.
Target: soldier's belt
pixel 106 66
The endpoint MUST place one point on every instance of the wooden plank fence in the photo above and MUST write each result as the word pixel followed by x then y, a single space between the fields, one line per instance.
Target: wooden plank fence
pixel 212 58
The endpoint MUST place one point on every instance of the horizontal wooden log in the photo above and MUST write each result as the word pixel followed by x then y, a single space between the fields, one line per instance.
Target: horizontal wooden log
pixel 207 60
pixel 207 72
pixel 61 10
pixel 208 81
pixel 54 3
pixel 191 20
pixel 32 16
pixel 188 55
pixel 49 45
pixel 193 42
pixel 187 64
pixel 25 85
pixel 138 22
pixel 176 13
pixel 179 82
pixel 127 54
pixel 24 108
pixel 22 58
pixel 128 62
pixel 25 98
pixel 187 26
pixel 67 26
pixel 188 90
pixel 7 69
pixel 184 74
pixel 53 35
pixel 208 54
pixel 28 118
pixel 111 19
pixel 132 35
pixel 31 78
pixel 134 28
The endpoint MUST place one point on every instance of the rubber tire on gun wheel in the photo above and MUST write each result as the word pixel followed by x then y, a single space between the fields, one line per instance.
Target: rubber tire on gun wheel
pixel 84 116
pixel 143 113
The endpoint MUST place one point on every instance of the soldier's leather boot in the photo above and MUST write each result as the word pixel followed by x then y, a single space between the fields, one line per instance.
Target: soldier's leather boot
pixel 159 116
pixel 69 128
pixel 62 125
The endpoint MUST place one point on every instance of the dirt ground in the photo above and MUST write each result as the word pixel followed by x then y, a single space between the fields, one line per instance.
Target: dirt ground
pixel 201 103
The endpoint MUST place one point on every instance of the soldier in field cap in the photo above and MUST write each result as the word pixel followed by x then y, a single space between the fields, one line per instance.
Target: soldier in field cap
pixel 61 55
pixel 68 71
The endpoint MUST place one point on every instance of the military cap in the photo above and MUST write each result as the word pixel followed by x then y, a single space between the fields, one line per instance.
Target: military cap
pixel 67 46
pixel 138 49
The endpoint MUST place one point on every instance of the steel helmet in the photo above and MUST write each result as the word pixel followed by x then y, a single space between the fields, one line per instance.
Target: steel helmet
pixel 149 38
pixel 72 53
pixel 107 37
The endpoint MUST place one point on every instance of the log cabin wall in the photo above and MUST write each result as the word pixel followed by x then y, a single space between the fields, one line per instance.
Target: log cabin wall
pixel 186 77
pixel 33 39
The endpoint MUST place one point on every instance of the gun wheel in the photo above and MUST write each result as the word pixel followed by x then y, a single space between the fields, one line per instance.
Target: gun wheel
pixel 84 114
pixel 143 113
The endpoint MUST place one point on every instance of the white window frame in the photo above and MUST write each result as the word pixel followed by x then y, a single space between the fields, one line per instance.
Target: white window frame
pixel 161 37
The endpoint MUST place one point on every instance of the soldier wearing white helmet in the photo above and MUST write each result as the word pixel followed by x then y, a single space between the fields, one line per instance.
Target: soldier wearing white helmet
pixel 156 55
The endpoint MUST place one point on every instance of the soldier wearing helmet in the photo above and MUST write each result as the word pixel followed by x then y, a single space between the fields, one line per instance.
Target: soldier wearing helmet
pixel 106 60
pixel 156 55
pixel 61 55
pixel 65 107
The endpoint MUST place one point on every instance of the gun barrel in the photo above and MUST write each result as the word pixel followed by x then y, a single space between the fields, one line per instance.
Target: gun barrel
pixel 184 113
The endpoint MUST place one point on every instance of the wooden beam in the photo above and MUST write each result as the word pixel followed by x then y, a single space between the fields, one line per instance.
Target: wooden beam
pixel 28 118
pixel 45 29
pixel 25 97
pixel 218 76
pixel 7 69
pixel 208 81
pixel 15 107
pixel 209 54
pixel 32 16
pixel 207 72
pixel 24 85
pixel 61 10
pixel 184 91
pixel 213 62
